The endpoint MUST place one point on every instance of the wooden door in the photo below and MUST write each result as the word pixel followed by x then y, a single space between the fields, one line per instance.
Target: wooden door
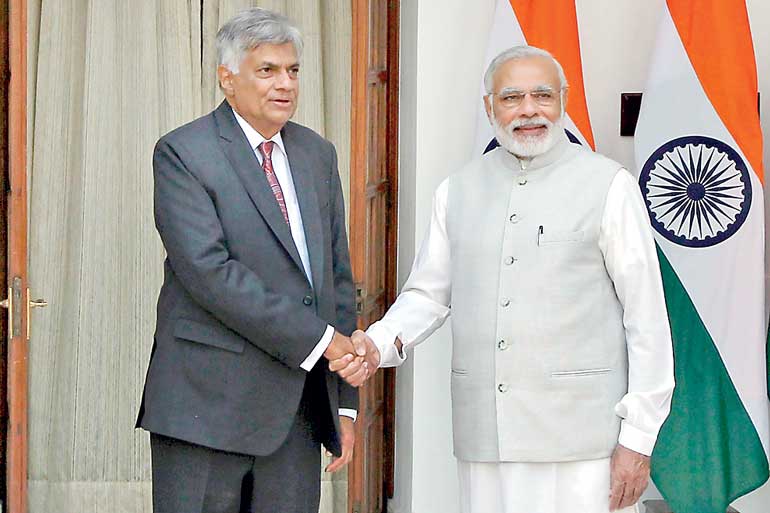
pixel 4 72
pixel 17 302
pixel 373 181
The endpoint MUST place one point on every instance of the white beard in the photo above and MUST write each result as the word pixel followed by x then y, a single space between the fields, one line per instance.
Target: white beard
pixel 528 146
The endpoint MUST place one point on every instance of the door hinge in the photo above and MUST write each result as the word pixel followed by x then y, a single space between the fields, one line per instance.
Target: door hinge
pixel 13 304
pixel 360 295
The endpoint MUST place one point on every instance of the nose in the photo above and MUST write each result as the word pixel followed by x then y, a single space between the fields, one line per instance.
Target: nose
pixel 529 107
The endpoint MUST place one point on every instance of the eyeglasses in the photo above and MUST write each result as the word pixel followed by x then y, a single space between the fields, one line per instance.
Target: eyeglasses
pixel 512 98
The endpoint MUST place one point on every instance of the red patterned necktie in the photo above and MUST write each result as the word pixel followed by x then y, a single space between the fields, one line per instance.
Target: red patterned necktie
pixel 266 149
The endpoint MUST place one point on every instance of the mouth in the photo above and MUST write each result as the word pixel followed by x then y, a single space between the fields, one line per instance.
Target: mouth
pixel 530 130
pixel 281 102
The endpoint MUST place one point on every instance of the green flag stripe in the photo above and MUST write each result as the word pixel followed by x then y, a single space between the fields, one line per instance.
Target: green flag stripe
pixel 708 452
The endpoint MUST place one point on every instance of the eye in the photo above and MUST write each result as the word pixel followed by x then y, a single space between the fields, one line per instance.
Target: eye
pixel 294 72
pixel 511 98
pixel 264 72
pixel 542 96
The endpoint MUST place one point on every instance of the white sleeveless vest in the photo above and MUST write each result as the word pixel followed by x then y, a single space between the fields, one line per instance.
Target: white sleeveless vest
pixel 539 353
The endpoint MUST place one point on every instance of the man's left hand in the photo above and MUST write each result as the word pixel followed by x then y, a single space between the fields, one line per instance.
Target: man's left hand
pixel 347 440
pixel 629 477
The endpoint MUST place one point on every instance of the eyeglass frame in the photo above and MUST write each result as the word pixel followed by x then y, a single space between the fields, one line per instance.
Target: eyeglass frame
pixel 531 93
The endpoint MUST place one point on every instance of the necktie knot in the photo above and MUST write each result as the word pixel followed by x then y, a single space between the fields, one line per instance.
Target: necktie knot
pixel 266 149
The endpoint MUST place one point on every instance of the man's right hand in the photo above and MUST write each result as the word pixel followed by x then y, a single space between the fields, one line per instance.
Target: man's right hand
pixel 629 477
pixel 358 370
pixel 350 357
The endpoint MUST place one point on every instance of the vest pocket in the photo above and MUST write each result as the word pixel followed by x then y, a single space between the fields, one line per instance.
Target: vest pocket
pixel 560 236
pixel 579 373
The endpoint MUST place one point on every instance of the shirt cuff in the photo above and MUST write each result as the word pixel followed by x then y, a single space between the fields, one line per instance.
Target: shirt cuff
pixel 635 439
pixel 385 340
pixel 347 412
pixel 319 349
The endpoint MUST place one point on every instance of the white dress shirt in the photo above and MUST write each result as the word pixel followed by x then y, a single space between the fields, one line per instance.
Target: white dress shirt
pixel 283 174
pixel 630 257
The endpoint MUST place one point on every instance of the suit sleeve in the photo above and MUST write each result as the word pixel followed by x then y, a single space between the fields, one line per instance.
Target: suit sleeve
pixel 344 288
pixel 193 237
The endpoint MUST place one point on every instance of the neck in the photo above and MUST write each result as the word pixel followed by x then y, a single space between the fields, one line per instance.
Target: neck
pixel 266 130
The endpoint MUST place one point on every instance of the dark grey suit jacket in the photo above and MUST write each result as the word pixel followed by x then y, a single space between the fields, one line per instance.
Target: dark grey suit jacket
pixel 236 313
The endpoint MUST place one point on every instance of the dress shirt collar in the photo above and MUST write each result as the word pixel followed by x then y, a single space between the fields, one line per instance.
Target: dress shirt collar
pixel 254 137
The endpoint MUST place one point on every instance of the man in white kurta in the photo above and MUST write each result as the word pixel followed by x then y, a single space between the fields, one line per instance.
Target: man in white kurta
pixel 562 366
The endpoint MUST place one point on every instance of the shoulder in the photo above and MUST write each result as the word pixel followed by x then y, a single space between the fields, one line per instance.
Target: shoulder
pixel 591 161
pixel 196 131
pixel 477 164
pixel 305 136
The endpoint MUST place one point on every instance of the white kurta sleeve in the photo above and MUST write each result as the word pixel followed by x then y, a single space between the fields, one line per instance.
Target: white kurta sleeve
pixel 626 240
pixel 423 305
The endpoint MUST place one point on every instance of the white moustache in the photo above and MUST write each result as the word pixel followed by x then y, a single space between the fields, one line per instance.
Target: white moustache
pixel 524 123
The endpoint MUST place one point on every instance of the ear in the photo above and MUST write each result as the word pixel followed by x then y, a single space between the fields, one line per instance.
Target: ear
pixel 225 77
pixel 488 107
pixel 565 94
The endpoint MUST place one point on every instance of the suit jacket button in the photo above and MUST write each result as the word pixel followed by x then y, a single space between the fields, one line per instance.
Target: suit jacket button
pixel 307 300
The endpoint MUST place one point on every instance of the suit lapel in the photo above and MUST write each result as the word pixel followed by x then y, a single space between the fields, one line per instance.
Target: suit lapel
pixel 304 186
pixel 245 164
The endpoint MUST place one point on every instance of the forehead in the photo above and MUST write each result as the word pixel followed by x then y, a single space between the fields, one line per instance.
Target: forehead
pixel 284 54
pixel 526 73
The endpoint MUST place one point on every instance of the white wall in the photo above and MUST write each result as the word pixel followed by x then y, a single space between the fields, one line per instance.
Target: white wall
pixel 443 43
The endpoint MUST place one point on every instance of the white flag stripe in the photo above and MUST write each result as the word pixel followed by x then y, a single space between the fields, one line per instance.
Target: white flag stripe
pixel 729 300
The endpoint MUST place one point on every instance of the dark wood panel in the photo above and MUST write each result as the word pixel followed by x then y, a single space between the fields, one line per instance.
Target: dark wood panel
pixel 374 171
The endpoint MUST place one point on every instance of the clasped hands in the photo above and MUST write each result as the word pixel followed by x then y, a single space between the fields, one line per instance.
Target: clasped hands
pixel 355 359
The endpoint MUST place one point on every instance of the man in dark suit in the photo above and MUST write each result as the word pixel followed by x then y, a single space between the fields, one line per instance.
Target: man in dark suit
pixel 257 295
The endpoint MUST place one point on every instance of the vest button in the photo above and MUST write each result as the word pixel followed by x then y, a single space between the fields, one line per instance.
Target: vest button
pixel 522 181
pixel 509 260
pixel 505 302
pixel 514 218
pixel 502 387
pixel 307 300
pixel 502 345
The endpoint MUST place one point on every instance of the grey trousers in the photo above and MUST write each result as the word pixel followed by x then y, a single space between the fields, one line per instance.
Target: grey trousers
pixel 189 478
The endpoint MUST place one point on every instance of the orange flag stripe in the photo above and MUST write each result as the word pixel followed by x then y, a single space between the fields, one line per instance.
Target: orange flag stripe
pixel 717 37
pixel 554 28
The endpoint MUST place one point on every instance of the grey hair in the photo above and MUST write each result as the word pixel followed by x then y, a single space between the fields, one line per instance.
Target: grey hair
pixel 516 53
pixel 250 28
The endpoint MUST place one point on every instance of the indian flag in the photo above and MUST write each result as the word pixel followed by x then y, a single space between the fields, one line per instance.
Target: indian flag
pixel 699 155
pixel 538 23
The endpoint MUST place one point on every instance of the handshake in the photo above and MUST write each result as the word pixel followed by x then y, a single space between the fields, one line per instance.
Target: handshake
pixel 355 359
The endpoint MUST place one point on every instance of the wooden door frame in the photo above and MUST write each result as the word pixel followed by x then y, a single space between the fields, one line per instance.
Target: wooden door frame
pixel 18 334
pixel 358 163
pixel 391 284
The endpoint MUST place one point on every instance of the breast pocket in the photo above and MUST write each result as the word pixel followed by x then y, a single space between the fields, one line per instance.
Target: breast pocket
pixel 551 237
